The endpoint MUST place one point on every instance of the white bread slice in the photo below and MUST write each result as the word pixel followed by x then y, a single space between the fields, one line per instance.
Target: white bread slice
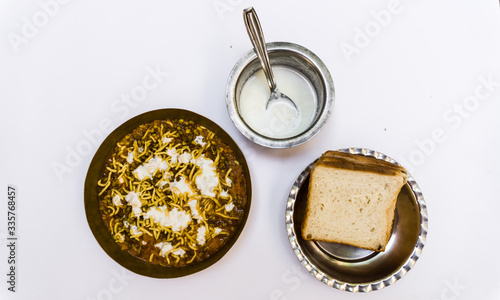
pixel 351 200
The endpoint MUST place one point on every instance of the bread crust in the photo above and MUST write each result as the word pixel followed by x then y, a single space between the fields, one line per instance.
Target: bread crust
pixel 357 162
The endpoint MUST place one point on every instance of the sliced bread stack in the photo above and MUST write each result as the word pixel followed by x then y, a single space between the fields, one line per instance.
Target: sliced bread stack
pixel 352 199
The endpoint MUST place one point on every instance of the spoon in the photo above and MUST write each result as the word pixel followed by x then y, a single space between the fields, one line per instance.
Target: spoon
pixel 259 45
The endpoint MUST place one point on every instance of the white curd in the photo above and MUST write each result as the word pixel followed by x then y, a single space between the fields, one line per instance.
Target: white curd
pixel 280 119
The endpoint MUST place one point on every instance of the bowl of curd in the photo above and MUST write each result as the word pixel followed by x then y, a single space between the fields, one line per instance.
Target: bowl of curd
pixel 299 74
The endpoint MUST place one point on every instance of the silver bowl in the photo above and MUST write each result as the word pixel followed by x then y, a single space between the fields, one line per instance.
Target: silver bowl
pixel 354 269
pixel 294 57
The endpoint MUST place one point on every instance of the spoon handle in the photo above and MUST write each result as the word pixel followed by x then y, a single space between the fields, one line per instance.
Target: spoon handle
pixel 259 44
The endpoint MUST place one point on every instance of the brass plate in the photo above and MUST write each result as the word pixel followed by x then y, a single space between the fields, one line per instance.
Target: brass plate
pixel 94 219
pixel 354 269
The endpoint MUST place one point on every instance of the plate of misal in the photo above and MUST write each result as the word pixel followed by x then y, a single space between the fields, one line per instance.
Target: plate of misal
pixel 167 193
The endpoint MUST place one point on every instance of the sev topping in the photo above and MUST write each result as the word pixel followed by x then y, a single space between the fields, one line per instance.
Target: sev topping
pixel 172 193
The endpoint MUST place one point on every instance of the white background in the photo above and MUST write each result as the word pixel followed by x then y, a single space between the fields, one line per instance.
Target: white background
pixel 408 82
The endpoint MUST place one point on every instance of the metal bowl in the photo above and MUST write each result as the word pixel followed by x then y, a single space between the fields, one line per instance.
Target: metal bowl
pixel 291 56
pixel 354 269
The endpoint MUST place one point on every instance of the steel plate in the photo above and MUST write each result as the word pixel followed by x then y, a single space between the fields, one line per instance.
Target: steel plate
pixel 354 269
